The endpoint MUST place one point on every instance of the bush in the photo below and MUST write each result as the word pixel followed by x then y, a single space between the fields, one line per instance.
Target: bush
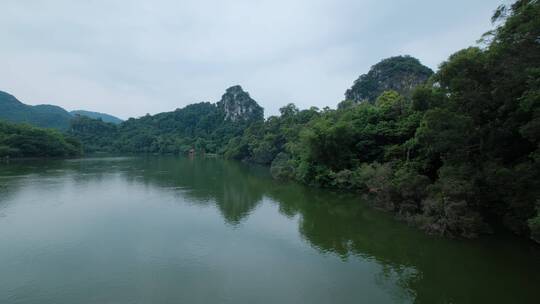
pixel 281 167
pixel 377 180
pixel 534 224
pixel 449 209
pixel 447 217
pixel 412 189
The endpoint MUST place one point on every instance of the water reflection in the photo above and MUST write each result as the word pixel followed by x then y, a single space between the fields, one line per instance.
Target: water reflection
pixel 413 266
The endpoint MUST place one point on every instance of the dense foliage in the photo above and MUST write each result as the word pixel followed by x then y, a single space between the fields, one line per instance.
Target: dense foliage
pixel 458 157
pixel 27 141
pixel 204 126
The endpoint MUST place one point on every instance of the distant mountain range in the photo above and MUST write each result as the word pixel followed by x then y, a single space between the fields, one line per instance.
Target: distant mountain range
pixel 96 115
pixel 45 116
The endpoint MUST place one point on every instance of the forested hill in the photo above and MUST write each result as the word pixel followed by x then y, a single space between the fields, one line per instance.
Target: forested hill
pixel 44 116
pixel 203 126
pixel 401 74
pixel 456 156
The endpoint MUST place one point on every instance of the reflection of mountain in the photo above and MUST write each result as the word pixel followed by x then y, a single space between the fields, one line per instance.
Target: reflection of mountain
pixel 427 269
pixel 233 187
pixel 229 184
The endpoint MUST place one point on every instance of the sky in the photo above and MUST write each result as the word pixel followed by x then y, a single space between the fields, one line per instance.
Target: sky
pixel 132 57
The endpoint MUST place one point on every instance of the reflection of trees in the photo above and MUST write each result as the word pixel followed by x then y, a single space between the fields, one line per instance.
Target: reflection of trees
pixel 8 187
pixel 426 269
pixel 431 270
pixel 14 173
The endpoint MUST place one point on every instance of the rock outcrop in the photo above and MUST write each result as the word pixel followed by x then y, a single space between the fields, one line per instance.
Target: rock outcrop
pixel 237 105
pixel 401 74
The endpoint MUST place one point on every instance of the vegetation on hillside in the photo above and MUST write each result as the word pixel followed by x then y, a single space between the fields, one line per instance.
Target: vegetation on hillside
pixel 26 141
pixel 401 74
pixel 44 116
pixel 96 115
pixel 203 126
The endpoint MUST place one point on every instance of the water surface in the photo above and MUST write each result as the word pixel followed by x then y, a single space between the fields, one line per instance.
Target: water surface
pixel 177 230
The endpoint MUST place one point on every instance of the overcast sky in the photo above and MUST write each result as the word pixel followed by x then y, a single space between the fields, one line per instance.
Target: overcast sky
pixel 132 57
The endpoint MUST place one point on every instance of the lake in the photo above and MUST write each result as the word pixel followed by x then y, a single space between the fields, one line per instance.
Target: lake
pixel 180 230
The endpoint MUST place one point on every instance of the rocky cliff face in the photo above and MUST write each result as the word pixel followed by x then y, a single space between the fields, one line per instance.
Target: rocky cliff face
pixel 401 74
pixel 237 105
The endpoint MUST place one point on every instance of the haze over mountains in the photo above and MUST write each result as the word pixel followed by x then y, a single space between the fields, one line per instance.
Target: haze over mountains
pixel 45 116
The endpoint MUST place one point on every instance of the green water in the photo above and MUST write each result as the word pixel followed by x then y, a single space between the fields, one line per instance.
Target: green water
pixel 175 230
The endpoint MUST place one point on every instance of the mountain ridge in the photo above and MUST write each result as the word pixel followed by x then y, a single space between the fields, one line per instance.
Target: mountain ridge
pixel 204 126
pixel 43 115
pixel 98 115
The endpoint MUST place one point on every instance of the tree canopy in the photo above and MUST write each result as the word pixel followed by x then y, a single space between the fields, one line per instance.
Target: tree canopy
pixel 27 141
